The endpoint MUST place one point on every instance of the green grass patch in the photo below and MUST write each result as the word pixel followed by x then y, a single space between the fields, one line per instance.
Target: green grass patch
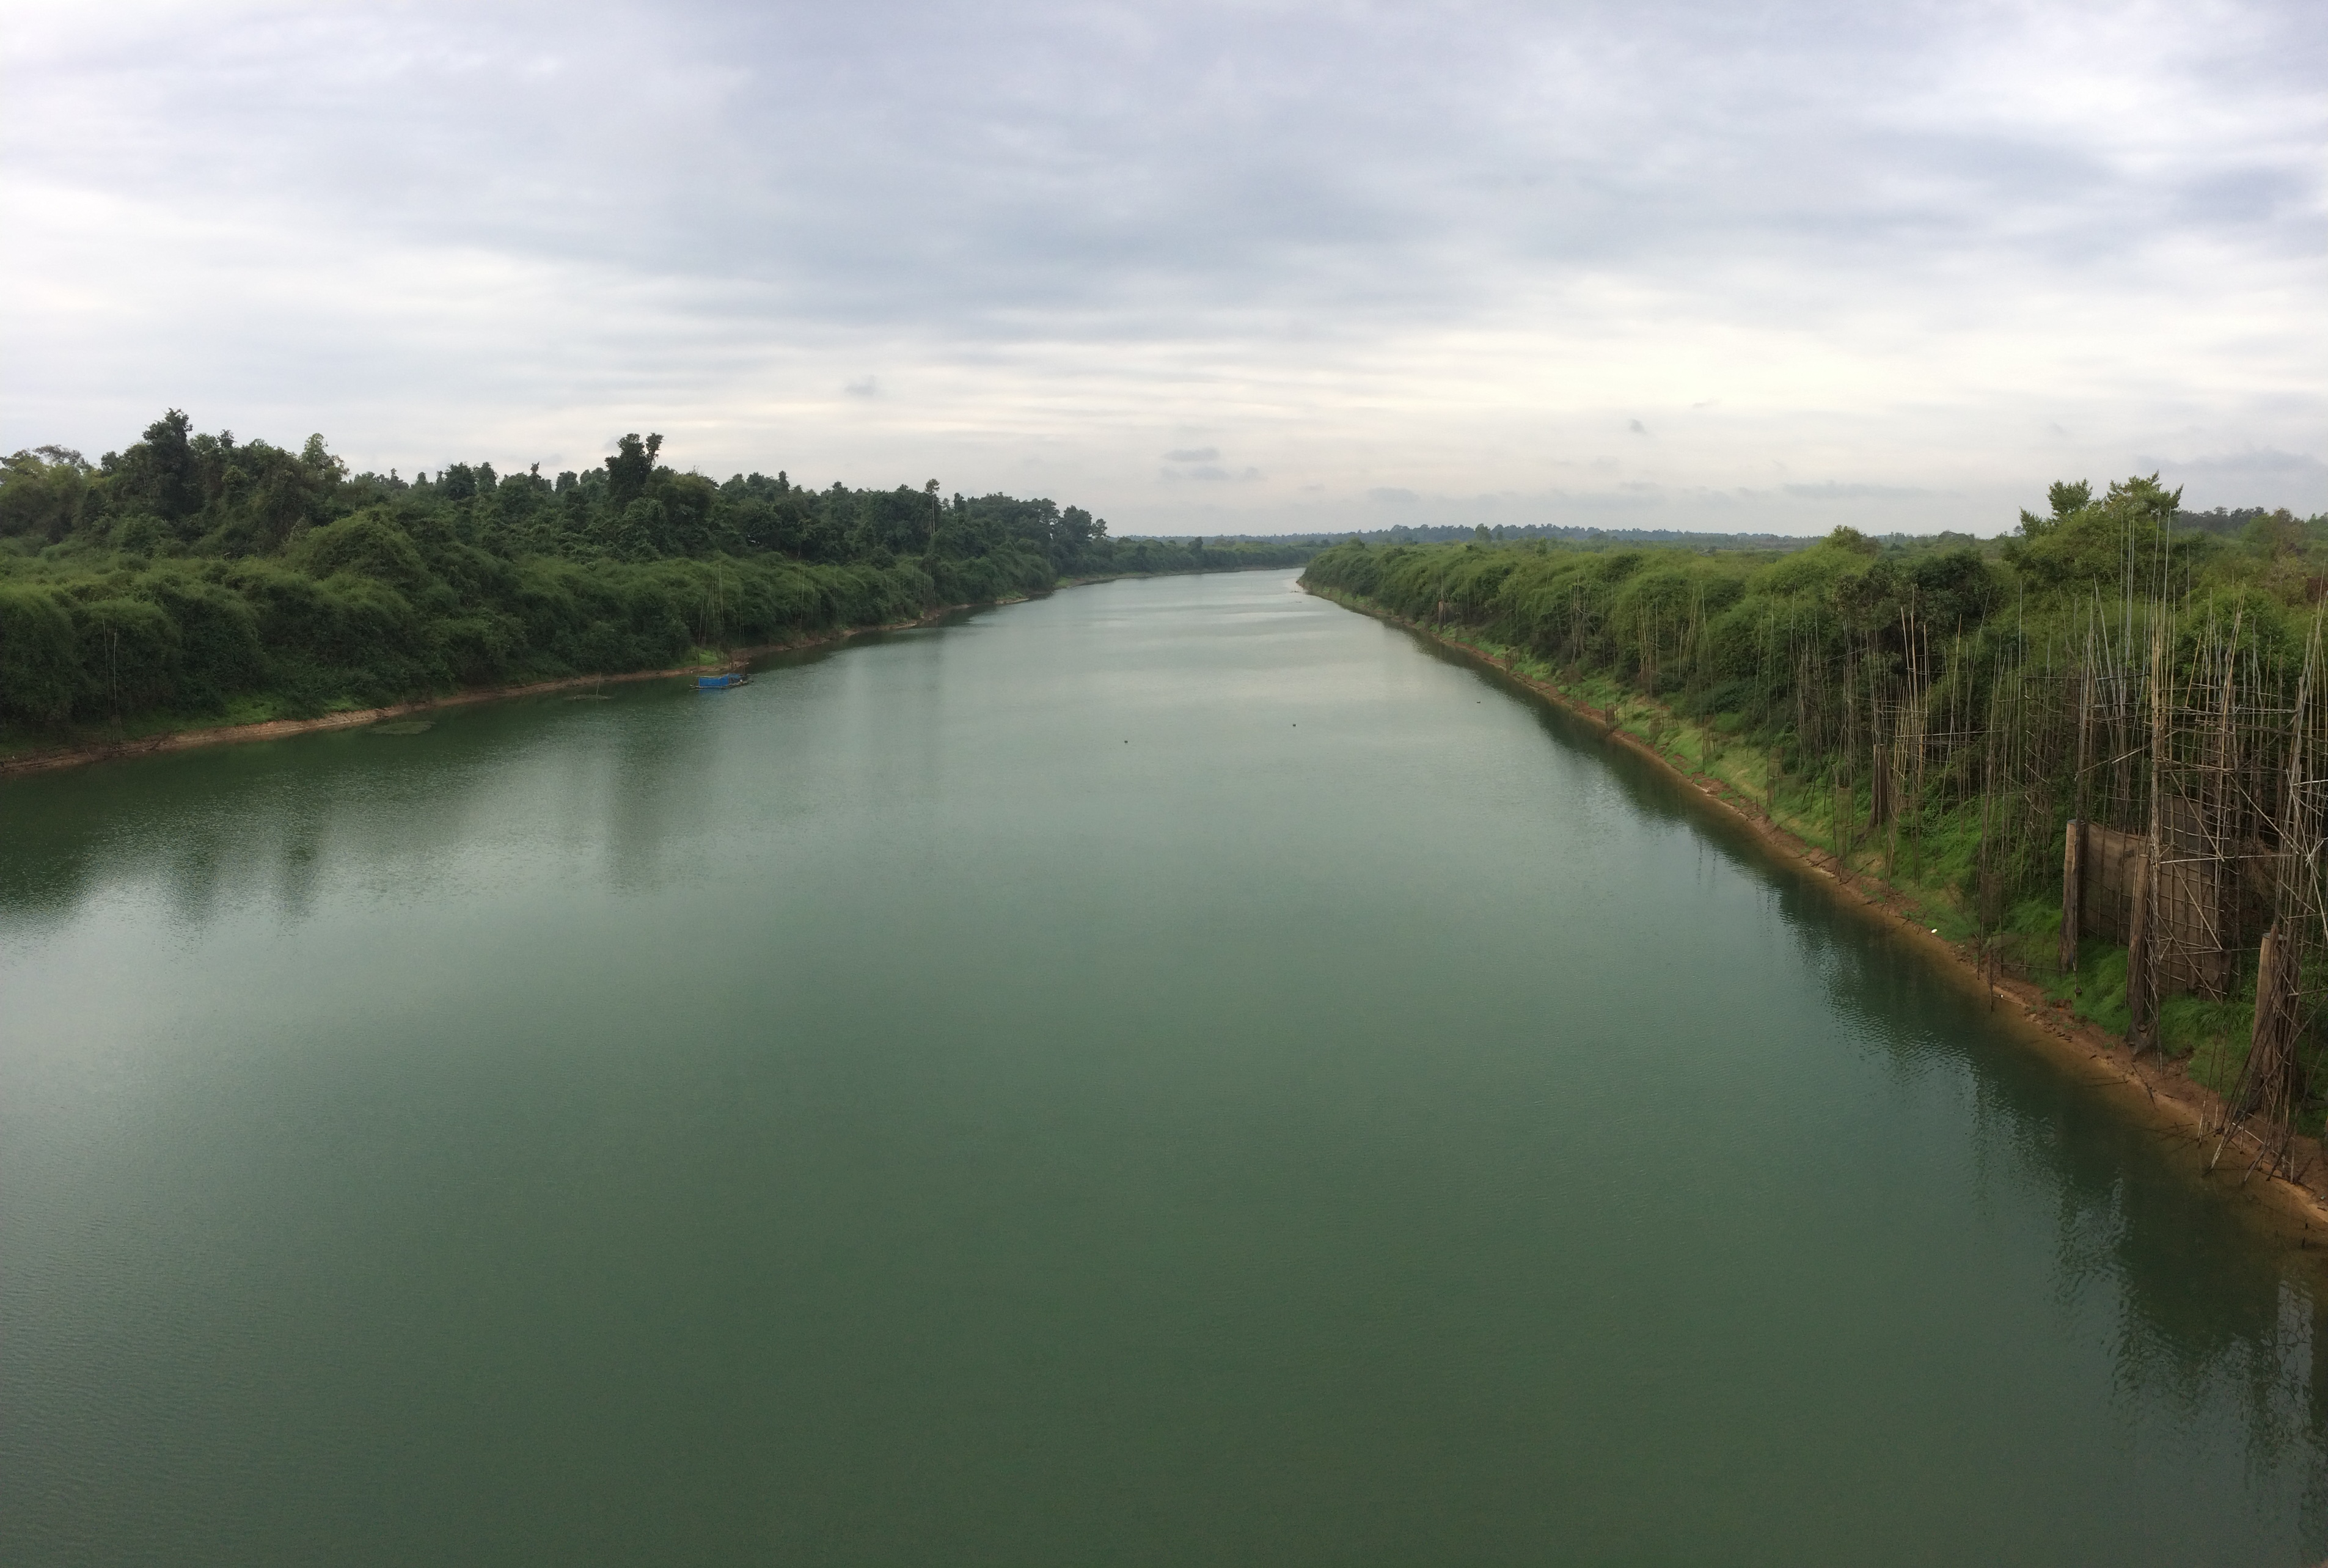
pixel 2097 991
pixel 2213 1035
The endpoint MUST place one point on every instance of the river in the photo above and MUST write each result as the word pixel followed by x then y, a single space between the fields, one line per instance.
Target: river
pixel 1175 1072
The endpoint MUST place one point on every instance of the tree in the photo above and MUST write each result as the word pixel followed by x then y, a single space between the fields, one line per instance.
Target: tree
pixel 630 469
pixel 160 473
pixel 638 530
pixel 43 492
pixel 2066 497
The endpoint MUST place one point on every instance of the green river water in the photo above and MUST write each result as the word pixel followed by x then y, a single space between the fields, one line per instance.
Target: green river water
pixel 1172 1073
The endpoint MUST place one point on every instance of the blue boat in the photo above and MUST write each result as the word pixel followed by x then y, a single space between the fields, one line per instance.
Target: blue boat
pixel 719 683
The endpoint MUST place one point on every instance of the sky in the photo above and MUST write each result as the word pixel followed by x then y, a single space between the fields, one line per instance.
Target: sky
pixel 1202 267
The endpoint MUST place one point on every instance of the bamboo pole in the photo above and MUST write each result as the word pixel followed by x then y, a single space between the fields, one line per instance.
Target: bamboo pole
pixel 2073 874
pixel 2142 955
pixel 2073 844
pixel 2139 995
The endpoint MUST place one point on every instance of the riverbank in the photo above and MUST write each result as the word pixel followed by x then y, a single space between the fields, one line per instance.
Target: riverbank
pixel 226 734
pixel 2160 1092
pixel 227 731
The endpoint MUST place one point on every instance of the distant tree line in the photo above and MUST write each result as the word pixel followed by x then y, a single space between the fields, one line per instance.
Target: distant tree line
pixel 195 575
pixel 1569 533
pixel 1734 631
pixel 2224 522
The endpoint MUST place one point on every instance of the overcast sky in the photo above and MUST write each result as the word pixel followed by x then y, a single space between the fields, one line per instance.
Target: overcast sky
pixel 1202 267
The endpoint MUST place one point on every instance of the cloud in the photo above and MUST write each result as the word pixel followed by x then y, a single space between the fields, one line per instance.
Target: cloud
pixel 2265 476
pixel 2263 461
pixel 1354 244
pixel 1832 491
pixel 1203 465
pixel 1389 496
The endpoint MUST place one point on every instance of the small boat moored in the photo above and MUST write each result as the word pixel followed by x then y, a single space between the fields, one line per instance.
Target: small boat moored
pixel 719 683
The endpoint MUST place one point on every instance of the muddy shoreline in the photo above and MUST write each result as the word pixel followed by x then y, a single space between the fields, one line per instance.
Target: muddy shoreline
pixel 2148 1089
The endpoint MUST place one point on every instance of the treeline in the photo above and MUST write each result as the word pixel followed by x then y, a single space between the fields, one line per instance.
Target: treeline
pixel 1572 533
pixel 2225 520
pixel 1734 633
pixel 195 574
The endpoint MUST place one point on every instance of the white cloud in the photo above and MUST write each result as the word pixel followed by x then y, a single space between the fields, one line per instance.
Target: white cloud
pixel 1879 257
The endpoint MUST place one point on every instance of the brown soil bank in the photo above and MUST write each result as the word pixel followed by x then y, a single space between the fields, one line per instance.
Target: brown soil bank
pixel 2156 1091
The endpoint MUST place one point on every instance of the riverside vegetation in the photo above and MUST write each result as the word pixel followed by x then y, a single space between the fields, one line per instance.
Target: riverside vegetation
pixel 2112 718
pixel 194 578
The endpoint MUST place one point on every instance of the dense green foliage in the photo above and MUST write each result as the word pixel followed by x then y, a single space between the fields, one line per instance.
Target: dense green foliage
pixel 196 574
pixel 1748 636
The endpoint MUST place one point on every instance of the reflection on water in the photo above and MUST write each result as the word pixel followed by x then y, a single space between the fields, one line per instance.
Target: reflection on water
pixel 627 777
pixel 2202 1299
pixel 1167 1072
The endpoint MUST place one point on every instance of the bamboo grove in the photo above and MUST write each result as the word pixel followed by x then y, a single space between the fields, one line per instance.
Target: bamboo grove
pixel 2103 741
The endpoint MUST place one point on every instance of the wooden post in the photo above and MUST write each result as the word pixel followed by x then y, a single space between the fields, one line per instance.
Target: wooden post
pixel 2073 870
pixel 2274 1016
